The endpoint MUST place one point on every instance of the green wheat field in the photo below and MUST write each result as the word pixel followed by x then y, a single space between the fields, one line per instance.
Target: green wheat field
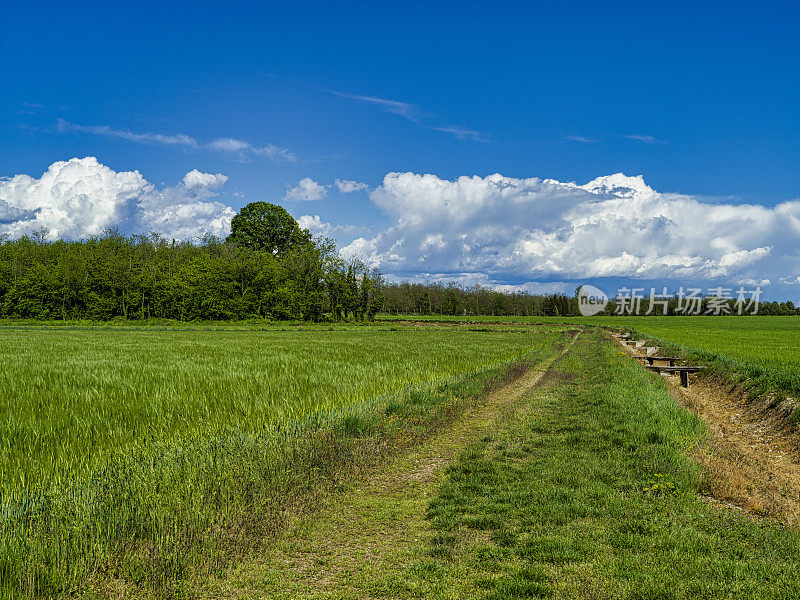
pixel 136 442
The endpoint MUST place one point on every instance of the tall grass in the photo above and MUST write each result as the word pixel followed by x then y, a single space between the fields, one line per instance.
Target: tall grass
pixel 133 456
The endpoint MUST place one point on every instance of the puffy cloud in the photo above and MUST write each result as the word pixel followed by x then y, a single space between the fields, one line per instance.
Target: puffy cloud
pixel 196 179
pixel 82 197
pixel 614 226
pixel 185 212
pixel 74 198
pixel 346 186
pixel 306 189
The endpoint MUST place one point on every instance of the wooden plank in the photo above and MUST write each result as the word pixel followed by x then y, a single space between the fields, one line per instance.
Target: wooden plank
pixel 678 369
pixel 671 359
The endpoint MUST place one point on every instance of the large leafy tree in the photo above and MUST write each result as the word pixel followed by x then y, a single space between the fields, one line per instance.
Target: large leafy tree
pixel 267 227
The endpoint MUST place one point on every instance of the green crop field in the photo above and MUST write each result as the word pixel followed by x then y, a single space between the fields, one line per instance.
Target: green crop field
pixel 140 458
pixel 70 397
pixel 119 436
pixel 762 349
pixel 766 340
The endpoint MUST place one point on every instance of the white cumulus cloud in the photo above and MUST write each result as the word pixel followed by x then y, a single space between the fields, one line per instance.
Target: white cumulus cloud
pixel 347 186
pixel 306 190
pixel 82 197
pixel 614 226
pixel 196 179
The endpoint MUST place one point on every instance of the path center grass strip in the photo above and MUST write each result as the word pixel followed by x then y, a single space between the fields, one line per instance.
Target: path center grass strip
pixel 587 493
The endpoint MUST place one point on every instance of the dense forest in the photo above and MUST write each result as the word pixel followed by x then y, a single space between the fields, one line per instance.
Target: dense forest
pixel 135 277
pixel 267 268
pixel 138 277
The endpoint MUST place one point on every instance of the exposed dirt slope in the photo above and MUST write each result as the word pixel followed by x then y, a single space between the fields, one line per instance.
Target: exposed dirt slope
pixel 752 460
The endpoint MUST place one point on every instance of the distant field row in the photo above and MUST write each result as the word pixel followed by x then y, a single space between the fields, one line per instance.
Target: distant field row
pixel 765 340
pixel 761 349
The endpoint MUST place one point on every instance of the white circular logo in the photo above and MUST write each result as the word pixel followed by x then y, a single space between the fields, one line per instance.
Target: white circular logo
pixel 591 300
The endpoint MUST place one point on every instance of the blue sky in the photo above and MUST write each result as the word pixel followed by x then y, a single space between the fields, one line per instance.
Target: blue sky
pixel 701 99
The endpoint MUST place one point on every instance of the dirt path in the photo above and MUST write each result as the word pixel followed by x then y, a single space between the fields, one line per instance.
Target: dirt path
pixel 751 463
pixel 364 536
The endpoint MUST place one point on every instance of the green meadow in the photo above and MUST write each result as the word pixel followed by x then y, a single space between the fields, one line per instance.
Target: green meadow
pixel 127 451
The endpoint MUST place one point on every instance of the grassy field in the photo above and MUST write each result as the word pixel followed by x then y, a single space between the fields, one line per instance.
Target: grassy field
pixel 582 488
pixel 132 452
pixel 766 340
pixel 759 351
pixel 138 458
pixel 69 397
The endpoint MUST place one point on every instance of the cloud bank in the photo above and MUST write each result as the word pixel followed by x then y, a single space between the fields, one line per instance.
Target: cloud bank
pixel 82 197
pixel 614 226
pixel 492 230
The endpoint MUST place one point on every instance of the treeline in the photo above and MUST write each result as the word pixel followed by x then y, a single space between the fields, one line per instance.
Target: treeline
pixel 144 277
pixel 706 305
pixel 139 277
pixel 452 299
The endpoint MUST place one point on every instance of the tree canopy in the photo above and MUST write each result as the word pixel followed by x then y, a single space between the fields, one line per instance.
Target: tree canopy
pixel 268 228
